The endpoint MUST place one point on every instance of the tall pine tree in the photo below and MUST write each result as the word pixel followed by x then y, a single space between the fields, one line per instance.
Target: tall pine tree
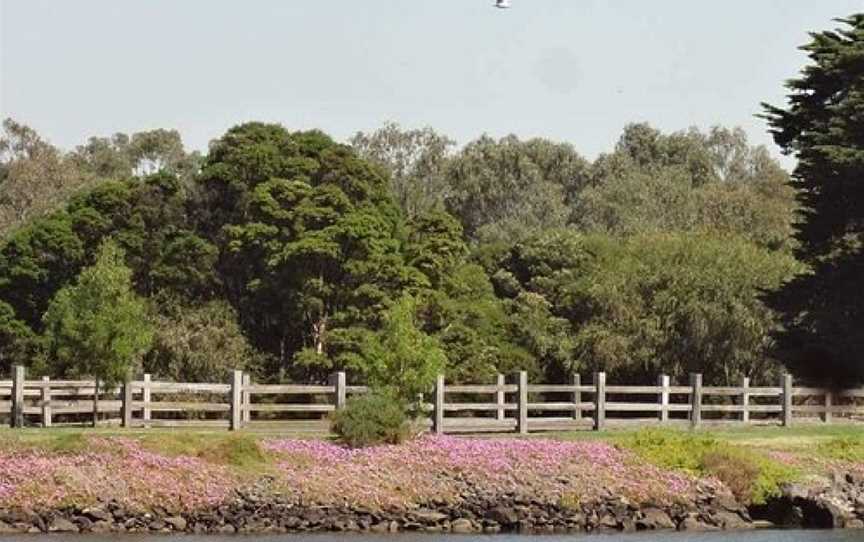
pixel 823 127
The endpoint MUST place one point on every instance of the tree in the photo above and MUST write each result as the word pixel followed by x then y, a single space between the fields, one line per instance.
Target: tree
pixel 18 344
pixel 311 242
pixel 199 344
pixel 501 190
pixel 98 326
pixel 643 305
pixel 400 358
pixel 416 160
pixel 711 182
pixel 146 217
pixel 104 157
pixel 142 154
pixel 459 307
pixel 821 126
pixel 35 177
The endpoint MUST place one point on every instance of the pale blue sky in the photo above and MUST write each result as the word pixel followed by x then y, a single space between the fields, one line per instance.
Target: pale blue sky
pixel 574 70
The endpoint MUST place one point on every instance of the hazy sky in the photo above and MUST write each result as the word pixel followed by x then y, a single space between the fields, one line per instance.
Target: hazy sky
pixel 575 70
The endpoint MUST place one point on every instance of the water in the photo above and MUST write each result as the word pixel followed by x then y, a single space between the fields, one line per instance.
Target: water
pixel 749 536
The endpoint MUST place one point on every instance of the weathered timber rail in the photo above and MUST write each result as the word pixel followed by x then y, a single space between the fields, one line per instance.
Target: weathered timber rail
pixel 506 406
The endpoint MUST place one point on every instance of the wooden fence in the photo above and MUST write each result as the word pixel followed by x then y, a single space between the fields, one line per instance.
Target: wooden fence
pixel 504 406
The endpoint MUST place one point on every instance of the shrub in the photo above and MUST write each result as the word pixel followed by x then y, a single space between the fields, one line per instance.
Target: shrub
pixel 750 476
pixel 372 419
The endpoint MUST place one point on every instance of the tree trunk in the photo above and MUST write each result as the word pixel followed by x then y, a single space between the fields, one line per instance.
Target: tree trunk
pixel 95 402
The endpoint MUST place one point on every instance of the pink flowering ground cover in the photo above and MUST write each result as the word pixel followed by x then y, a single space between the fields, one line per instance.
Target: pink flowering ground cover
pixel 117 469
pixel 431 469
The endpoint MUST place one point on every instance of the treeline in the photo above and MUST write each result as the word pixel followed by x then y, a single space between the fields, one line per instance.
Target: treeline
pixel 399 254
pixel 292 255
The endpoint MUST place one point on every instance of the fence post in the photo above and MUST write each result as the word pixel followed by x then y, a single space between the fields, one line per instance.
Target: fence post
pixel 786 383
pixel 339 382
pixel 696 399
pixel 576 380
pixel 599 401
pixel 663 382
pixel 46 401
pixel 500 397
pixel 246 417
pixel 18 374
pixel 829 399
pixel 236 400
pixel 522 401
pixel 126 404
pixel 146 397
pixel 438 419
pixel 745 399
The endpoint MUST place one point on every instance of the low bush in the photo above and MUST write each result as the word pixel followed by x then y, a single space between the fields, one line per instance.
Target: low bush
pixel 751 476
pixel 372 419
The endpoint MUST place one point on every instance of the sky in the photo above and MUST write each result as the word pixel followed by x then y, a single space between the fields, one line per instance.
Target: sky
pixel 571 70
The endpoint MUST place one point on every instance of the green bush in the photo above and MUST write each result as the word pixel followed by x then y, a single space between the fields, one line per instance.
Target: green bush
pixel 750 476
pixel 372 419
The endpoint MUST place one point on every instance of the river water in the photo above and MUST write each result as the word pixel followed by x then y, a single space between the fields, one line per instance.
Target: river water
pixel 749 536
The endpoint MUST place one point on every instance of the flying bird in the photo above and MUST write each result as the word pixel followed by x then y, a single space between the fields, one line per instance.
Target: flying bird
pixel 502 4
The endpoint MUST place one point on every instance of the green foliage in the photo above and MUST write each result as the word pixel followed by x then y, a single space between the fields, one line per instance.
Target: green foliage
pixel 287 253
pixel 309 239
pixel 35 177
pixel 749 475
pixel 644 305
pixel 501 190
pixel 371 419
pixel 845 449
pixel 688 182
pixel 824 310
pixel 199 344
pixel 145 217
pixel 416 160
pixel 399 358
pixel 460 308
pixel 18 344
pixel 98 326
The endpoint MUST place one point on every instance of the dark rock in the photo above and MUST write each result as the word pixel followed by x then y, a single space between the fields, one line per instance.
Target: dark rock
pixel 428 517
pixel 503 515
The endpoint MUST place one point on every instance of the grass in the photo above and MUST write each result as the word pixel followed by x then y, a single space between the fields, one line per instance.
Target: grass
pixel 836 441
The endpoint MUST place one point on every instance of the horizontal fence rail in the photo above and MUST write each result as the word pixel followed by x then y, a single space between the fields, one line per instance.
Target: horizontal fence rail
pixel 513 405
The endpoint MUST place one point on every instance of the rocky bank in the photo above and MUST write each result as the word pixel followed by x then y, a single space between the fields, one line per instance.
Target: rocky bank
pixel 257 510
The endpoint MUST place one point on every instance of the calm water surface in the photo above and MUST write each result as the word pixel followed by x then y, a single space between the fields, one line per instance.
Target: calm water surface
pixel 757 536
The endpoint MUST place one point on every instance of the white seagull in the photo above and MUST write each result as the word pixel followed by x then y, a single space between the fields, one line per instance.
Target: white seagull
pixel 502 4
